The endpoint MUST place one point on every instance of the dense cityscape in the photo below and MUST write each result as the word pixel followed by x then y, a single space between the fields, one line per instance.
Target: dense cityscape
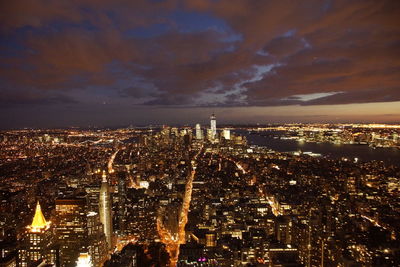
pixel 195 196
pixel 199 133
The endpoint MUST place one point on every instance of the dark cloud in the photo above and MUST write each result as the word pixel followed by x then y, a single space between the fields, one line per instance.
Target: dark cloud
pixel 10 98
pixel 262 53
pixel 170 99
pixel 285 46
pixel 122 14
pixel 137 92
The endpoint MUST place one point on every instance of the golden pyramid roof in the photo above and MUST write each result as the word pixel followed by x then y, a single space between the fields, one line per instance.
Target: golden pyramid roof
pixel 38 220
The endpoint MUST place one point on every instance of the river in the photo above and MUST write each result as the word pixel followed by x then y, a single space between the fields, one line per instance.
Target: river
pixel 362 152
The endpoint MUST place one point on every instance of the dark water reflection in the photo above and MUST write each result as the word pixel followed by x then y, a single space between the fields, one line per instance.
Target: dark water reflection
pixel 362 152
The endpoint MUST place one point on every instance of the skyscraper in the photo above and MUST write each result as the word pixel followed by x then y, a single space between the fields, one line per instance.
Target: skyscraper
pixel 71 229
pixel 37 242
pixel 97 244
pixel 209 134
pixel 226 133
pixel 199 133
pixel 105 210
pixel 92 196
pixel 213 124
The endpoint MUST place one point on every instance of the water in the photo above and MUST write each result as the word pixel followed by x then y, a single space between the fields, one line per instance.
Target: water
pixel 362 152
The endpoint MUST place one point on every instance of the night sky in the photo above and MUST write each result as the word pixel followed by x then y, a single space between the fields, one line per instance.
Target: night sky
pixel 122 62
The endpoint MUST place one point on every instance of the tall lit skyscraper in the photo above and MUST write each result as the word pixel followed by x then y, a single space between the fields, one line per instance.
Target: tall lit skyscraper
pixel 71 229
pixel 226 133
pixel 97 244
pixel 37 242
pixel 79 230
pixel 92 196
pixel 199 133
pixel 105 210
pixel 213 122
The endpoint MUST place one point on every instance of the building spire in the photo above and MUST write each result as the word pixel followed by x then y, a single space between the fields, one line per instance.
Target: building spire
pixel 104 176
pixel 38 221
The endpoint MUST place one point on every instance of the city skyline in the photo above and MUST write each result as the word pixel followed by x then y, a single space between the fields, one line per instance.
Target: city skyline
pixel 273 195
pixel 167 62
pixel 172 133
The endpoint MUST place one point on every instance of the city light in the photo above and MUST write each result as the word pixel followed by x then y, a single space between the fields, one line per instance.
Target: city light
pixel 84 260
pixel 165 197
pixel 199 133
